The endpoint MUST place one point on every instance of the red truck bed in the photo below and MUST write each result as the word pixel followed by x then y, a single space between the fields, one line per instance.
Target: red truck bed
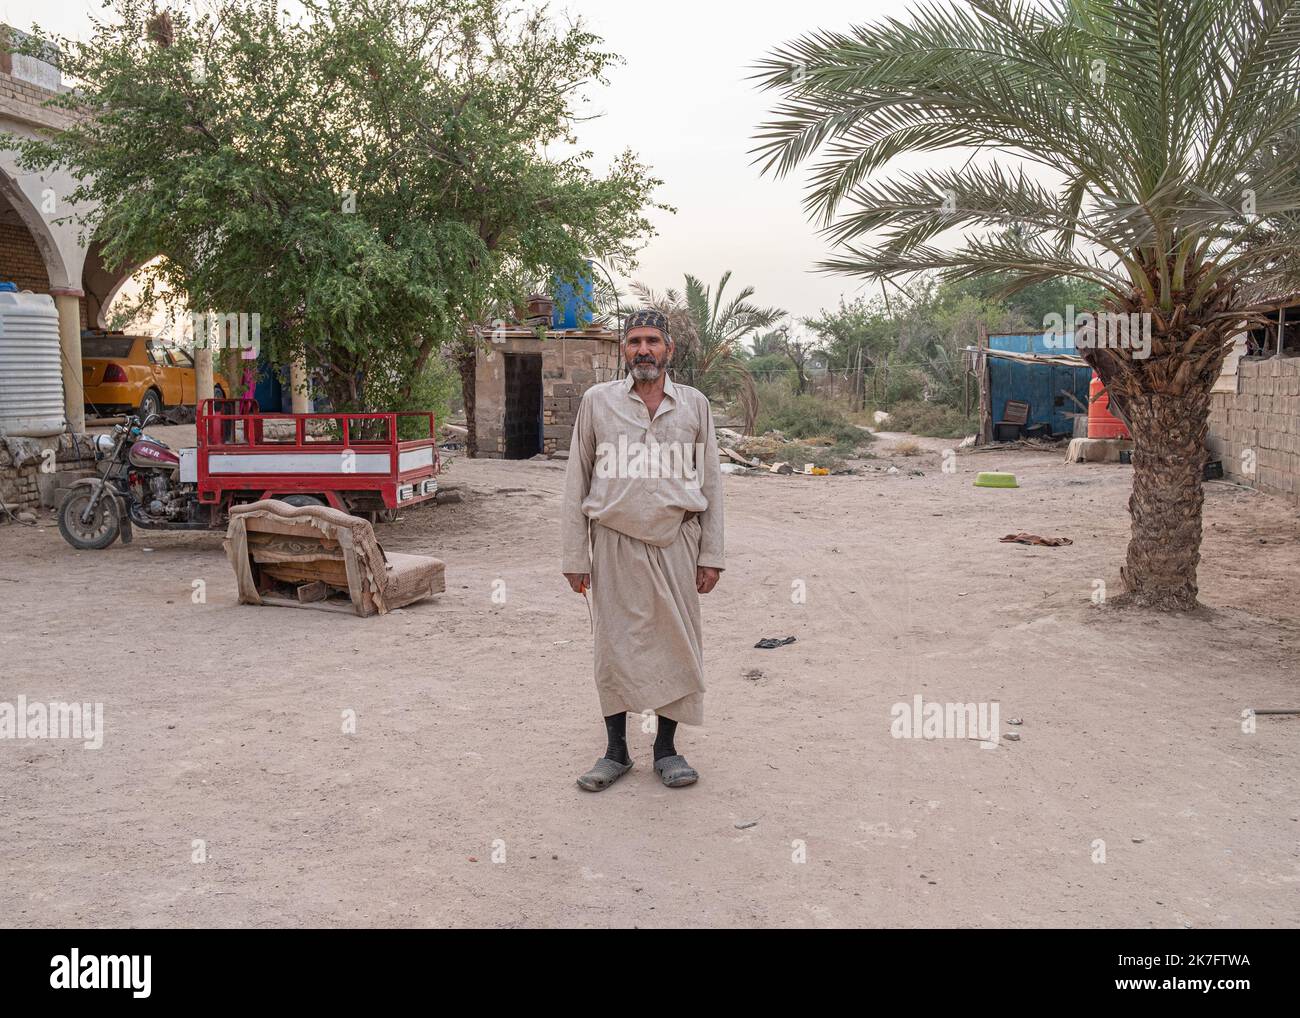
pixel 354 462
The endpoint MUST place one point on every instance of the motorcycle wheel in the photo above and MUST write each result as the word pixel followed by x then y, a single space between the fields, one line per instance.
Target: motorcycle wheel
pixel 104 525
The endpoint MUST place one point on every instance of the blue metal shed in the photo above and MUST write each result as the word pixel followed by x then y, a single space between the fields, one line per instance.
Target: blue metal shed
pixel 1052 379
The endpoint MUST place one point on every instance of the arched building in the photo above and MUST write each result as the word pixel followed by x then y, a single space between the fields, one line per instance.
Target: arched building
pixel 40 241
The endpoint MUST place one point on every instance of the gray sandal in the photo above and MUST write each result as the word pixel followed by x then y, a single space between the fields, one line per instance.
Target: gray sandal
pixel 676 772
pixel 603 774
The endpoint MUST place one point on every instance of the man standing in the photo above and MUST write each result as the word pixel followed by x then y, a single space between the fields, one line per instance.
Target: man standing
pixel 642 529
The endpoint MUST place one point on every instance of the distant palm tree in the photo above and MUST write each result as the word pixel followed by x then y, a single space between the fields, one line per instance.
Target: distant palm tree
pixel 709 338
pixel 767 343
pixel 1147 118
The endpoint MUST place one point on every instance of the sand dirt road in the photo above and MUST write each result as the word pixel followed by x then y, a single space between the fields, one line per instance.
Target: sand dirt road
pixel 223 725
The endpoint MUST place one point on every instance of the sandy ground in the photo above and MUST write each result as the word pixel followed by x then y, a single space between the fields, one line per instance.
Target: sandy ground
pixel 454 802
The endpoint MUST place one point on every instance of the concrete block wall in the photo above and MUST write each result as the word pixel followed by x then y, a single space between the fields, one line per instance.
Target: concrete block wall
pixel 572 362
pixel 1259 426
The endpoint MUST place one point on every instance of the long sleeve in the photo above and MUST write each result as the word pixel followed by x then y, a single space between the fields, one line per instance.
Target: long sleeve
pixel 711 545
pixel 576 551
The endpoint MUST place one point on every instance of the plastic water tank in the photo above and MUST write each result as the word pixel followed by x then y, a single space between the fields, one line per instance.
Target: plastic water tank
pixel 31 381
pixel 1101 422
pixel 572 303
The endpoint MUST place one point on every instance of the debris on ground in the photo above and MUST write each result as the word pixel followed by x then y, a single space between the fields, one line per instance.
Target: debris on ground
pixel 727 438
pixel 1012 736
pixel 1030 444
pixel 745 825
pixel 1045 542
pixel 748 461
pixel 753 674
pixel 772 448
pixel 769 642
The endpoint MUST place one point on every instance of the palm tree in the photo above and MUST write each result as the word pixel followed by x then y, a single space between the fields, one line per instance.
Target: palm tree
pixel 1129 135
pixel 709 338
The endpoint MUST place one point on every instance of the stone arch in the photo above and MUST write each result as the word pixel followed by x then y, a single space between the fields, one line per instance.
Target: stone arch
pixel 16 209
pixel 101 284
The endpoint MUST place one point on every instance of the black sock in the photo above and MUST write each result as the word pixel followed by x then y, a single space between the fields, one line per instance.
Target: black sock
pixel 616 733
pixel 666 728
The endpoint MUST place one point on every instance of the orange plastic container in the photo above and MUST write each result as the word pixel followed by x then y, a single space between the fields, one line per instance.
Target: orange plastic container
pixel 1101 422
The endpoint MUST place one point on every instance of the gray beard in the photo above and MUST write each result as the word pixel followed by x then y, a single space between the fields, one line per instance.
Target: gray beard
pixel 645 372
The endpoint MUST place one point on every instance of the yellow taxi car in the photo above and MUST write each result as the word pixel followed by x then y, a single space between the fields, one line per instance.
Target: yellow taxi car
pixel 126 374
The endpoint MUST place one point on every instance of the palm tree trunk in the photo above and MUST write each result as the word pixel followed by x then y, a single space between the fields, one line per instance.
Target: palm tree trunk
pixel 1168 461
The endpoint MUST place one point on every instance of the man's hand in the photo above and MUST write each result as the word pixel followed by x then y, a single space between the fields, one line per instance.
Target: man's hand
pixel 582 581
pixel 706 578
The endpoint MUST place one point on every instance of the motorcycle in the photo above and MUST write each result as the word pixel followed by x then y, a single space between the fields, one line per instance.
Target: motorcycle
pixel 140 487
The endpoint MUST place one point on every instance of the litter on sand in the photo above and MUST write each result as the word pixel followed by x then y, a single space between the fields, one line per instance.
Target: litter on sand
pixel 768 642
pixel 1046 542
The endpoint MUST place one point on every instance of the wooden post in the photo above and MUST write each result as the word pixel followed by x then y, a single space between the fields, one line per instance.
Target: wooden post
pixel 986 399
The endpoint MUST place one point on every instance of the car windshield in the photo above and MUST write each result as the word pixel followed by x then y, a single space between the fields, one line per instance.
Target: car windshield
pixel 106 346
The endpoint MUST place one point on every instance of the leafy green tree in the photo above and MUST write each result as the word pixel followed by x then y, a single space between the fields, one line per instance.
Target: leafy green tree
pixel 1143 121
pixel 857 327
pixel 370 177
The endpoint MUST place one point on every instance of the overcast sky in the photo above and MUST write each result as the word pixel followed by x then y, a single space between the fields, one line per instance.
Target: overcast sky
pixel 683 103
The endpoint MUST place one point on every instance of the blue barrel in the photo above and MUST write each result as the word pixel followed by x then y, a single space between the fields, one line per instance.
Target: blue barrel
pixel 572 303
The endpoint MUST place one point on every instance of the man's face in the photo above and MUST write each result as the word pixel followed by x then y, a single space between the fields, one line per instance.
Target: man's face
pixel 647 353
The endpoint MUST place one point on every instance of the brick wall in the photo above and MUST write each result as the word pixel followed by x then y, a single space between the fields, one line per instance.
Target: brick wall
pixel 20 259
pixel 1258 426
pixel 21 263
pixel 25 101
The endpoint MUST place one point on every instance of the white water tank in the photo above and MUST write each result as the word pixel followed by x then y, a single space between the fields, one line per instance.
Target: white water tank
pixel 31 381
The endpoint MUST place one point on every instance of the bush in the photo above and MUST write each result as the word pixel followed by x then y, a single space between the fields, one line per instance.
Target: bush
pixel 437 386
pixel 932 420
pixel 769 366
pixel 806 417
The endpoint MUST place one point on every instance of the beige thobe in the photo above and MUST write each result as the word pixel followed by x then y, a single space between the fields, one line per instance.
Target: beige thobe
pixel 643 509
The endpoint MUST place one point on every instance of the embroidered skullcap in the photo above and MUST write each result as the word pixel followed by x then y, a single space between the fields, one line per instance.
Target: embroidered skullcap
pixel 646 318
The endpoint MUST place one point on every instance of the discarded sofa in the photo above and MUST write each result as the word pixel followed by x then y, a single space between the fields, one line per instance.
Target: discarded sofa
pixel 319 557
